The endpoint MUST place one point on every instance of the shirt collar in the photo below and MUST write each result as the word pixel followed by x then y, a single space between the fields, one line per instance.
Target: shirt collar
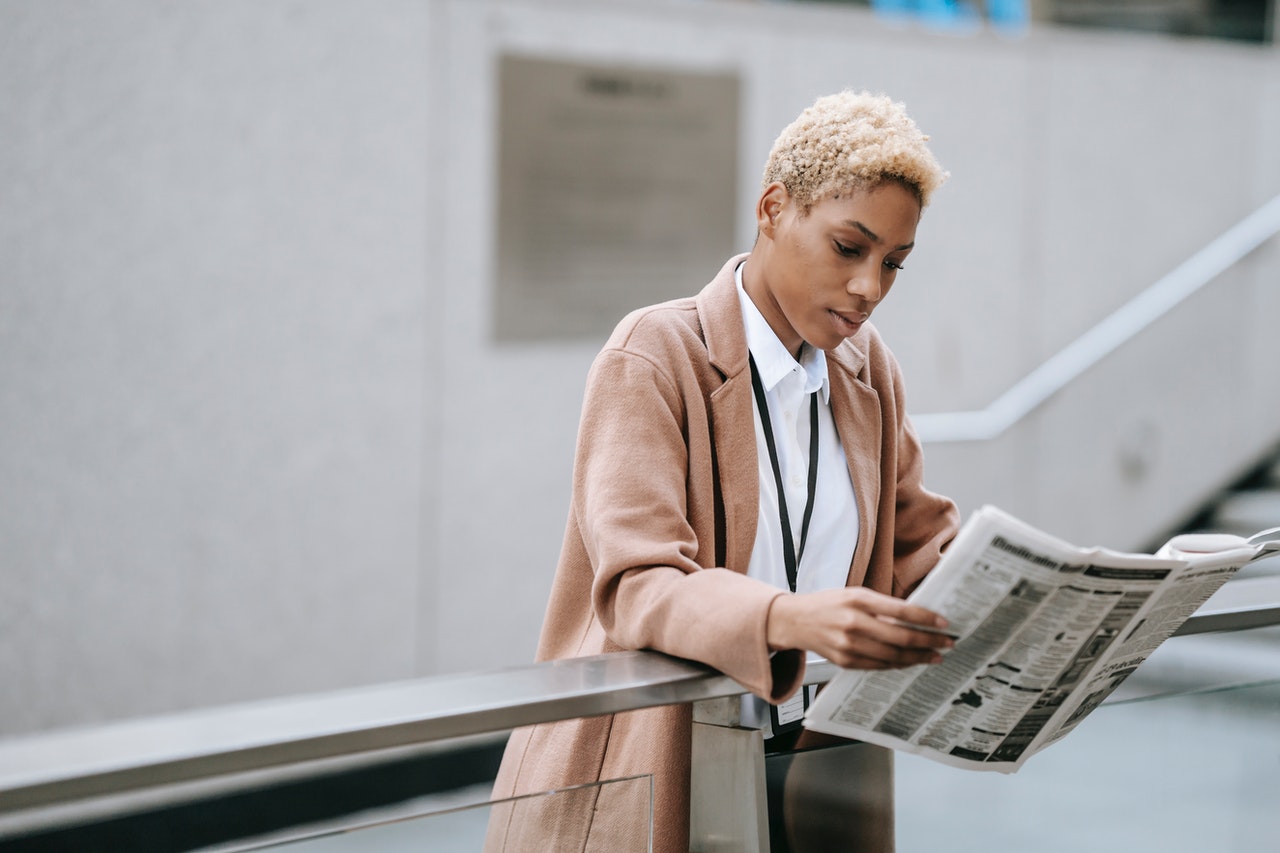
pixel 772 358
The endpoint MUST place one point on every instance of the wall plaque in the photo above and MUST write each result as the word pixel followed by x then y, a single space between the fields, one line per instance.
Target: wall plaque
pixel 616 189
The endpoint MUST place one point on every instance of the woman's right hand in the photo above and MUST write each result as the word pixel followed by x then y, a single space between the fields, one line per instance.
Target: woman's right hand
pixel 857 628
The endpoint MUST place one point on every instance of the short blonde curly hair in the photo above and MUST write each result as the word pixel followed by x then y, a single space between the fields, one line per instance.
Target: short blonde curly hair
pixel 852 139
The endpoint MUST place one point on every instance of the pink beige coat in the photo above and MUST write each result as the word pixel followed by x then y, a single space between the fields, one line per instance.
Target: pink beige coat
pixel 660 530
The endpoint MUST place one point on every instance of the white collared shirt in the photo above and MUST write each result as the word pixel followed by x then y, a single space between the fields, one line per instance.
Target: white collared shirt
pixel 833 528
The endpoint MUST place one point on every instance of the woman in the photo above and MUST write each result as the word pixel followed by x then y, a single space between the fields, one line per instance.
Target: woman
pixel 747 485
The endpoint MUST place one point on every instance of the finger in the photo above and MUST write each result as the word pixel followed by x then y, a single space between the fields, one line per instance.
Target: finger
pixel 860 662
pixel 894 632
pixel 903 656
pixel 916 636
pixel 915 615
pixel 895 608
pixel 871 656
pixel 866 645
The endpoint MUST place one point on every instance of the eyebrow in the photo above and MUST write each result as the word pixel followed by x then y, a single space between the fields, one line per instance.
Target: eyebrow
pixel 871 235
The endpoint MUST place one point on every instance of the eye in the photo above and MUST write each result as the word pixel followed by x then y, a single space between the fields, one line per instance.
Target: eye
pixel 846 251
pixel 893 265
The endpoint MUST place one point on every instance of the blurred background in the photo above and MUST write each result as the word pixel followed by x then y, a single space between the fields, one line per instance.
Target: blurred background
pixel 297 297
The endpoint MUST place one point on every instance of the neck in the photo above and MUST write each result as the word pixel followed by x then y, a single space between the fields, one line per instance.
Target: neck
pixel 762 296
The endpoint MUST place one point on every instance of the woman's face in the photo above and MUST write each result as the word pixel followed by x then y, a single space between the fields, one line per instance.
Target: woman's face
pixel 824 272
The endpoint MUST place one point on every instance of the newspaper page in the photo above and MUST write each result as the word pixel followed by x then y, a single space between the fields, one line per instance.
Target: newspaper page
pixel 1171 605
pixel 1045 631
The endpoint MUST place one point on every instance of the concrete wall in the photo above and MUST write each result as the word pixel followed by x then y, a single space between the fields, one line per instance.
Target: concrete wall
pixel 214 315
pixel 254 439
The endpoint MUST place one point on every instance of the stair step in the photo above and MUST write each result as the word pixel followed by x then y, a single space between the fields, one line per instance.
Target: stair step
pixel 1245 513
pixel 1266 567
pixel 1206 661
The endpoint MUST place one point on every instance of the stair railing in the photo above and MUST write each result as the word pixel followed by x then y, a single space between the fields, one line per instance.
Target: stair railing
pixel 1120 326
pixel 67 777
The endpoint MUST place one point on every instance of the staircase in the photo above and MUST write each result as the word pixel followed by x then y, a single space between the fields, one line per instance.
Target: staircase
pixel 1252 505
pixel 1215 661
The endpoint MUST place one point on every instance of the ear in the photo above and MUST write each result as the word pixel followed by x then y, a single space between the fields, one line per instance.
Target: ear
pixel 774 199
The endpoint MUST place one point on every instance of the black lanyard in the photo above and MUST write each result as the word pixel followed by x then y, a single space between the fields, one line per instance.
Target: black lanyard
pixel 789 554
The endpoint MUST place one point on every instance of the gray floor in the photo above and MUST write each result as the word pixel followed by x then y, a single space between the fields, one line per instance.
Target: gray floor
pixel 1188 773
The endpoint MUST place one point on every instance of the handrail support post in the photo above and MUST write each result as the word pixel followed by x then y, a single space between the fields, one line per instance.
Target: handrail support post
pixel 728 801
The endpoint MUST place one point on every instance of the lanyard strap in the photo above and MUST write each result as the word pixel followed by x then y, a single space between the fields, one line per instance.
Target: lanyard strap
pixel 790 556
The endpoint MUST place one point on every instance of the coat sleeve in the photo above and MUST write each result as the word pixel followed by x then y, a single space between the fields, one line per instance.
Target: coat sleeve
pixel 631 509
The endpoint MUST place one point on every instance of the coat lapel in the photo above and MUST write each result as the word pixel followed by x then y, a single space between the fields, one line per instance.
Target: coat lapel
pixel 732 416
pixel 854 405
pixel 856 409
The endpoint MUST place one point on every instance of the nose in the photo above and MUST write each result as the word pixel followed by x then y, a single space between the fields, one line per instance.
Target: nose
pixel 866 285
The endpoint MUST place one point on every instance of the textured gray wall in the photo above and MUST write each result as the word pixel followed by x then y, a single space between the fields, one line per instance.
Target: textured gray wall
pixel 254 439
pixel 213 315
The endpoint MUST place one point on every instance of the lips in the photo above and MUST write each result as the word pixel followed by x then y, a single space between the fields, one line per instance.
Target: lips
pixel 847 323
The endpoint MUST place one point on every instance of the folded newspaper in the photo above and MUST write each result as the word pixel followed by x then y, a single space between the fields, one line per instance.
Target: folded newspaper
pixel 1045 631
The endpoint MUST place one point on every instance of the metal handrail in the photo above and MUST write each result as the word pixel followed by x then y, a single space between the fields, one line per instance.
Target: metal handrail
pixel 1119 327
pixel 48 774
